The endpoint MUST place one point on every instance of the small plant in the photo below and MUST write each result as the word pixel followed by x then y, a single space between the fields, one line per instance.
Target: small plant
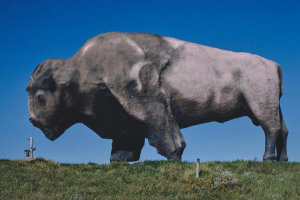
pixel 247 174
pixel 225 180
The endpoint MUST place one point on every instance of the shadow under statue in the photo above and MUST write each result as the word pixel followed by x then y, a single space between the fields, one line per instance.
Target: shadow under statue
pixel 132 86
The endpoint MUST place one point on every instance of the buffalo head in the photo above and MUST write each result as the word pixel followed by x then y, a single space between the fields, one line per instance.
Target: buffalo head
pixel 51 97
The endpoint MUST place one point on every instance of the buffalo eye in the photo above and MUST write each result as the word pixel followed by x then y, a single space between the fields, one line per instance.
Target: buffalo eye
pixel 41 99
pixel 51 85
pixel 48 83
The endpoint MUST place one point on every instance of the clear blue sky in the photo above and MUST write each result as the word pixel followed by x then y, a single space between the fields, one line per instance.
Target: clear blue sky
pixel 32 31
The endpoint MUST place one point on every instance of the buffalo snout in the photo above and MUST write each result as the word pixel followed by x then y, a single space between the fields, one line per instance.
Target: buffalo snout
pixel 35 122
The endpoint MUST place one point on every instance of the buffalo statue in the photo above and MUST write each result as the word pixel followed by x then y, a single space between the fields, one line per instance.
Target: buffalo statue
pixel 132 86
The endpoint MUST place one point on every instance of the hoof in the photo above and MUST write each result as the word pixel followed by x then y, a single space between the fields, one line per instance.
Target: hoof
pixel 123 155
pixel 269 157
pixel 283 158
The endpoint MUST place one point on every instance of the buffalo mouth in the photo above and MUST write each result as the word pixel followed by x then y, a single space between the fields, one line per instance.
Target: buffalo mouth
pixel 52 133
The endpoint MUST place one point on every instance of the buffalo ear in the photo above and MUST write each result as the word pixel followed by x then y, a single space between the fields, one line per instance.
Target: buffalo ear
pixel 66 75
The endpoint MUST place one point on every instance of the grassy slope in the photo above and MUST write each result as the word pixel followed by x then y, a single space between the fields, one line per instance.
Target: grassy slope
pixel 41 179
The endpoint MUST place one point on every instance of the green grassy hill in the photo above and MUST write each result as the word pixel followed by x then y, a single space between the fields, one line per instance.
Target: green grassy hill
pixel 42 179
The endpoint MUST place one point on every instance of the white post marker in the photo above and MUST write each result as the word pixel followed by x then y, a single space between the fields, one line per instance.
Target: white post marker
pixel 31 148
pixel 198 168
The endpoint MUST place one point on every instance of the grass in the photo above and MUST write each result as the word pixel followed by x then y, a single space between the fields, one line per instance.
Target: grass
pixel 43 179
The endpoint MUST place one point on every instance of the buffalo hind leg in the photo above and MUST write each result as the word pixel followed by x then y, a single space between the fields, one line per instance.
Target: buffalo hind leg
pixel 268 117
pixel 271 136
pixel 127 148
pixel 271 124
pixel 281 142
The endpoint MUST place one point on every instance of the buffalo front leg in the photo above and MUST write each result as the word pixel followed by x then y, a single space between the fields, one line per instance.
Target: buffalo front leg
pixel 165 134
pixel 127 148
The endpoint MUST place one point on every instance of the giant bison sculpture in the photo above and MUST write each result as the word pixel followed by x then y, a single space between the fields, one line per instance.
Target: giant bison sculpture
pixel 132 86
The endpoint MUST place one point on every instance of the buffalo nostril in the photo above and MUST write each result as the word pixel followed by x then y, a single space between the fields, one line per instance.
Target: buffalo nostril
pixel 34 121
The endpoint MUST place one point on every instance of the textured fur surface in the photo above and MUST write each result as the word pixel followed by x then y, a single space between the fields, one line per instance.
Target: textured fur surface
pixel 132 86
